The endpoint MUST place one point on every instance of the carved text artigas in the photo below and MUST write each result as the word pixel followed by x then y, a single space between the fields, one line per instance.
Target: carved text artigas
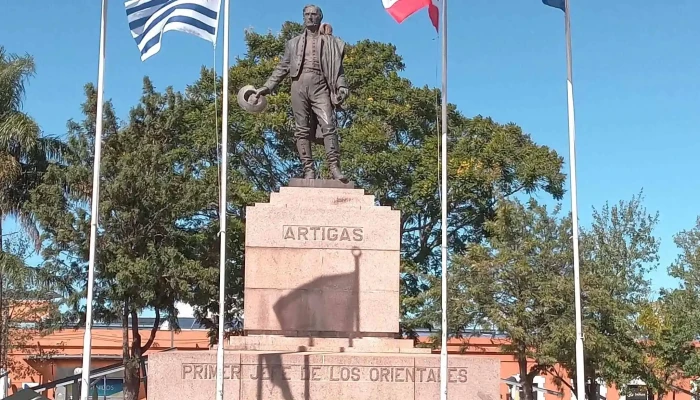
pixel 323 233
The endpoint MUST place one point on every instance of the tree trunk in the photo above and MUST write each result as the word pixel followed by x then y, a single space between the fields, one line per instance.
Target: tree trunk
pixel 4 332
pixel 132 355
pixel 132 382
pixel 525 378
pixel 593 389
pixel 131 369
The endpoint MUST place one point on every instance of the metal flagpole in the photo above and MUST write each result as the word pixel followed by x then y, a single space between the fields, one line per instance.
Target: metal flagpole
pixel 94 217
pixel 580 371
pixel 443 348
pixel 222 214
pixel 4 382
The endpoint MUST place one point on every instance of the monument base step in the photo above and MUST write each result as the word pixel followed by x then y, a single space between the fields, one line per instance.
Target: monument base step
pixel 321 183
pixel 311 344
pixel 267 375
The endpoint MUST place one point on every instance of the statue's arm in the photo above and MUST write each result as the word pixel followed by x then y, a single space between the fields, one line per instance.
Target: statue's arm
pixel 281 70
pixel 341 77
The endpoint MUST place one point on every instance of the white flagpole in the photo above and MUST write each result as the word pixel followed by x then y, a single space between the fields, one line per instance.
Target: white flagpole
pixel 443 348
pixel 222 215
pixel 4 382
pixel 94 217
pixel 580 362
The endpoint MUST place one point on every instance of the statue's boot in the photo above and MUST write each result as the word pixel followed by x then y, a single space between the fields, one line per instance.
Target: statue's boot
pixel 307 161
pixel 333 156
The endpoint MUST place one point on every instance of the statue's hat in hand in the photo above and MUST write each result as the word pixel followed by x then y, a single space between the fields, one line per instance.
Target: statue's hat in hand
pixel 250 101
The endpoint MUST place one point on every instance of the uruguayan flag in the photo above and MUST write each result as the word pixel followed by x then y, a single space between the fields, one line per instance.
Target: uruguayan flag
pixel 149 19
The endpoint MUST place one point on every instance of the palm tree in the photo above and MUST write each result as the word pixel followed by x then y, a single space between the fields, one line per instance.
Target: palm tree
pixel 25 154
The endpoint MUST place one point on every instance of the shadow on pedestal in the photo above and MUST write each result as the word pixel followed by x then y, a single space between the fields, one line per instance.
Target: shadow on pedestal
pixel 349 285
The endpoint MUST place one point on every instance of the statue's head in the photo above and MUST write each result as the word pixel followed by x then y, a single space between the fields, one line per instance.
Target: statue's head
pixel 312 16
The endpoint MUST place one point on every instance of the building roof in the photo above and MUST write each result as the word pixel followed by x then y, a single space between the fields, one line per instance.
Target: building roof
pixel 185 323
pixel 74 357
pixel 147 323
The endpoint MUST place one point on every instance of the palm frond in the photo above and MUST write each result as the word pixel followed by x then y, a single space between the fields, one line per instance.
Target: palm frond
pixel 54 149
pixel 10 169
pixel 28 223
pixel 14 72
pixel 19 133
pixel 15 271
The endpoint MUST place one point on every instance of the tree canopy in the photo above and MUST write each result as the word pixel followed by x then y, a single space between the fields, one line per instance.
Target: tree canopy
pixel 617 250
pixel 519 282
pixel 389 145
pixel 389 140
pixel 516 283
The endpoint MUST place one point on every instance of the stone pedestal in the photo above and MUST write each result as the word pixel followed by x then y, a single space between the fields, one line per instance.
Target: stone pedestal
pixel 321 312
pixel 268 375
pixel 322 262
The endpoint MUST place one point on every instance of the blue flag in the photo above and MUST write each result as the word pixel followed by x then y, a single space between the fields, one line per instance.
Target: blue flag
pixel 560 4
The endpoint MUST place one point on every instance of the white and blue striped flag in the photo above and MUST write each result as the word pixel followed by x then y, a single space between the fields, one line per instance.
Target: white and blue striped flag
pixel 149 19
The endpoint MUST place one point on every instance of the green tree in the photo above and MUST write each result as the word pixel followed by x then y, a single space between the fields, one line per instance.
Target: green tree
pixel 686 267
pixel 157 242
pixel 516 283
pixel 670 325
pixel 29 304
pixel 389 146
pixel 668 328
pixel 617 251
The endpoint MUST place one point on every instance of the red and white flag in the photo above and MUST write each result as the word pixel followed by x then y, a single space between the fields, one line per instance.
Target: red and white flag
pixel 434 12
pixel 402 9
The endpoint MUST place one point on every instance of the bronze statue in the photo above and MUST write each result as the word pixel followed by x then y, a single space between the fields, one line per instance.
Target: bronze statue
pixel 314 62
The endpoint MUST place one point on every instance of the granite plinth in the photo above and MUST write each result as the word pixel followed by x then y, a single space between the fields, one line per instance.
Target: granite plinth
pixel 268 375
pixel 318 261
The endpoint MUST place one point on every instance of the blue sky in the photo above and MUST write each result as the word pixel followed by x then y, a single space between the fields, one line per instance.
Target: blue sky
pixel 636 78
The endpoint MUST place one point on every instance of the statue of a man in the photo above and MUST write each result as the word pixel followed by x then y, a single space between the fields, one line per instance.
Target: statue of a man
pixel 314 62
